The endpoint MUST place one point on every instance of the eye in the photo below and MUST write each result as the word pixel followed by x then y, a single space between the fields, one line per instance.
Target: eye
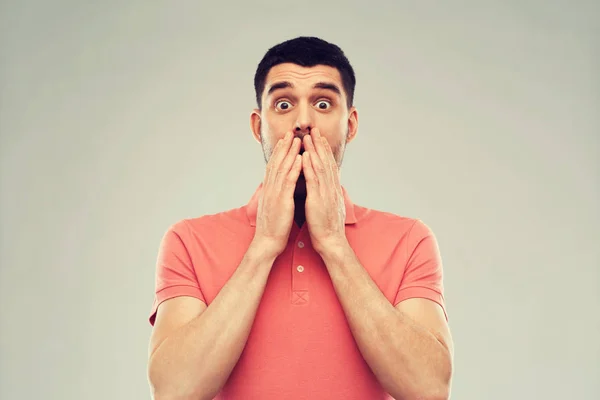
pixel 323 104
pixel 283 105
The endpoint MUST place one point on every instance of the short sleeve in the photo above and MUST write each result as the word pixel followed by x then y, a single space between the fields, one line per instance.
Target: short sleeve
pixel 175 274
pixel 423 274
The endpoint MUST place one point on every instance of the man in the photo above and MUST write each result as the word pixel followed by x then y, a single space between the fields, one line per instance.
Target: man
pixel 300 294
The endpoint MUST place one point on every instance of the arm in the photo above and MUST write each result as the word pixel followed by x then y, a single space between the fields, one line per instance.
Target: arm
pixel 408 347
pixel 194 348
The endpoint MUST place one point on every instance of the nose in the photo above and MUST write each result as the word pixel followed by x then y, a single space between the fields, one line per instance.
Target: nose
pixel 304 120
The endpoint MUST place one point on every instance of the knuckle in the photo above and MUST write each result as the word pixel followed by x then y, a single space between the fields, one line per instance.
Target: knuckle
pixel 290 180
pixel 282 168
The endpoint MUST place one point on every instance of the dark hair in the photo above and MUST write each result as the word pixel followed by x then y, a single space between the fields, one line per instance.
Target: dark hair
pixel 306 51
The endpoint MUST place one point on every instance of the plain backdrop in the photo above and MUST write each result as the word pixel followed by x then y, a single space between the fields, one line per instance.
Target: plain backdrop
pixel 119 118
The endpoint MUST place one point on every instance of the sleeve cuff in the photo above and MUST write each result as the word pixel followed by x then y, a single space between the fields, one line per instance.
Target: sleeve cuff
pixel 423 293
pixel 172 292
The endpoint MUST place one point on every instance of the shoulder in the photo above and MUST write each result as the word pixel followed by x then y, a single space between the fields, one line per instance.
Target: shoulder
pixel 233 220
pixel 386 221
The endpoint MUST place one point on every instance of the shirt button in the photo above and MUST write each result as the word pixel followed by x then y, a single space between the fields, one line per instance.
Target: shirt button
pixel 301 244
pixel 300 268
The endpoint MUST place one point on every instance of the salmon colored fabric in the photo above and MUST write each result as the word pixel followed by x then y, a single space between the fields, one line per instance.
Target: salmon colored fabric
pixel 300 345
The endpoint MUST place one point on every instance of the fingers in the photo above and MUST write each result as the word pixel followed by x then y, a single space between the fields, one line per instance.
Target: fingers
pixel 289 184
pixel 331 162
pixel 283 172
pixel 317 141
pixel 318 168
pixel 279 152
pixel 312 182
pixel 320 161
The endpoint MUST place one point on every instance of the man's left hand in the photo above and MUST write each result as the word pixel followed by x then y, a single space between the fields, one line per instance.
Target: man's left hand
pixel 325 209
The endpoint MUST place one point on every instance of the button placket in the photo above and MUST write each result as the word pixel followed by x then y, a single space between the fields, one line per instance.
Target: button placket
pixel 300 273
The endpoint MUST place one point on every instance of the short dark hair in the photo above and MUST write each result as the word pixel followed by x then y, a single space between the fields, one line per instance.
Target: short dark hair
pixel 306 51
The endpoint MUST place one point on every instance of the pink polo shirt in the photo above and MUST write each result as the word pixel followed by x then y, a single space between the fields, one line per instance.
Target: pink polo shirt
pixel 300 345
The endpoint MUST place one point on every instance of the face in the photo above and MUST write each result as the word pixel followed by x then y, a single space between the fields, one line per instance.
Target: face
pixel 299 99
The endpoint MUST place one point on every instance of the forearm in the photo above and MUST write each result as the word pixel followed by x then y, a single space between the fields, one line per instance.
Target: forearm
pixel 408 360
pixel 195 361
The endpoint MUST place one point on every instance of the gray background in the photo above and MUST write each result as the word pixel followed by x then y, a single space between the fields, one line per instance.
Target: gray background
pixel 120 118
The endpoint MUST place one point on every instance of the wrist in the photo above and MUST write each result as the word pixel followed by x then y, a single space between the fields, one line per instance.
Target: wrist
pixel 334 250
pixel 263 249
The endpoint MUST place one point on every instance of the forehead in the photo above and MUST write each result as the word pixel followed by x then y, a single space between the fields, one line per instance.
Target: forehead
pixel 300 76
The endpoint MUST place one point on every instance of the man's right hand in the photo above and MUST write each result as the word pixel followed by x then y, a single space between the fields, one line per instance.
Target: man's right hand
pixel 275 213
pixel 181 366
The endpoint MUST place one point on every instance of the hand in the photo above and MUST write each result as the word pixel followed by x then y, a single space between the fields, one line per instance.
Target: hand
pixel 325 209
pixel 275 213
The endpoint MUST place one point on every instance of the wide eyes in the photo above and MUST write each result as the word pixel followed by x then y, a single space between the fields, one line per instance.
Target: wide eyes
pixel 284 105
pixel 323 105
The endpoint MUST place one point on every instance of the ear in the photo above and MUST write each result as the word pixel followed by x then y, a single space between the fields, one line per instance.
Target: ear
pixel 255 124
pixel 352 124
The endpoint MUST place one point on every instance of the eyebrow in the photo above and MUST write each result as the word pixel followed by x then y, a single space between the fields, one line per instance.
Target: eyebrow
pixel 319 85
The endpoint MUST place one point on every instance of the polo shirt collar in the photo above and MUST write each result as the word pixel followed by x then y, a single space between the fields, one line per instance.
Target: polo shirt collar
pixel 252 206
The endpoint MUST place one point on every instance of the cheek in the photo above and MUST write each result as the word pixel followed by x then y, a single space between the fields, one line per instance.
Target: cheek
pixel 335 134
pixel 269 124
pixel 274 131
pixel 269 137
pixel 343 126
pixel 334 125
